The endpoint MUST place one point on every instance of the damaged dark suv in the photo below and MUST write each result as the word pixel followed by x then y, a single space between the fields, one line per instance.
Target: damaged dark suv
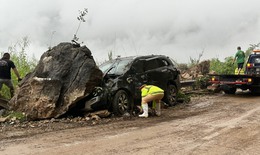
pixel 122 77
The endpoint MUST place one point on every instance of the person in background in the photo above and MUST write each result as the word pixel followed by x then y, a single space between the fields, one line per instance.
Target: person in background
pixel 151 93
pixel 240 59
pixel 5 72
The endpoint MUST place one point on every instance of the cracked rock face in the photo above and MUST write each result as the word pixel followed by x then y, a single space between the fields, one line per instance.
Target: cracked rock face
pixel 63 76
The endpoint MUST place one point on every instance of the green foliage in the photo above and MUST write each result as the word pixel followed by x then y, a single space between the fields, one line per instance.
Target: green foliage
pixel 183 97
pixel 226 67
pixel 201 82
pixel 23 64
pixel 15 115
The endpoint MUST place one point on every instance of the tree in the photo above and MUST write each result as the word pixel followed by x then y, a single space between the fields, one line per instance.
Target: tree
pixel 226 67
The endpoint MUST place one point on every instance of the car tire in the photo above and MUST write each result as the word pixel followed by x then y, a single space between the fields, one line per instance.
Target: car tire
pixel 121 103
pixel 170 95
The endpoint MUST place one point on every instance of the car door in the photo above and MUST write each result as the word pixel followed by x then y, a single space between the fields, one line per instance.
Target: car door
pixel 156 72
pixel 138 76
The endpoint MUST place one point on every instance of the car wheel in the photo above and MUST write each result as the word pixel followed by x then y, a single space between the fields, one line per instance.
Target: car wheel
pixel 170 95
pixel 121 103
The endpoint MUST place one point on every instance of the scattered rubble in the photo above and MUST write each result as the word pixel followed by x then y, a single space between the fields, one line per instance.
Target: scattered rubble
pixel 196 71
pixel 214 88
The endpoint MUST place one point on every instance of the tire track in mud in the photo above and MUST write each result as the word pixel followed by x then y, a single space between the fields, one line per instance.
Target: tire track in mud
pixel 244 111
pixel 210 125
pixel 232 123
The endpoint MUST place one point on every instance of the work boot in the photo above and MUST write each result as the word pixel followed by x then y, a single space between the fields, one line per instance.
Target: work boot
pixel 145 110
pixel 158 109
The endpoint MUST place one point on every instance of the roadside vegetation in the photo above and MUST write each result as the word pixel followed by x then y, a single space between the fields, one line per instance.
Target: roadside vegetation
pixel 23 63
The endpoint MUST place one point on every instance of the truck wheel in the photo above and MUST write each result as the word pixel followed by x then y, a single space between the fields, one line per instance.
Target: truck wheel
pixel 230 91
pixel 255 91
pixel 121 103
pixel 170 95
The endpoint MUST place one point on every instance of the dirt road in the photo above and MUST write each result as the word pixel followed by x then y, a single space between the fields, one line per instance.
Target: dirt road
pixel 211 124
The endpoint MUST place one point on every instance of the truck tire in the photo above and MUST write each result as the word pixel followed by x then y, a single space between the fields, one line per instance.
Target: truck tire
pixel 255 90
pixel 230 91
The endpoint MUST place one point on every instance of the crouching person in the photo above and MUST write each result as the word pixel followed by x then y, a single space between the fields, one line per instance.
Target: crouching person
pixel 151 93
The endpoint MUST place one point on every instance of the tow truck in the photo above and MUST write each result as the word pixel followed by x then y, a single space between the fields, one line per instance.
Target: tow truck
pixel 229 83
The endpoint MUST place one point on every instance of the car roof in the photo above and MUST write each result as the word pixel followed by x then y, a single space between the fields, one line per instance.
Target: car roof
pixel 133 58
pixel 142 57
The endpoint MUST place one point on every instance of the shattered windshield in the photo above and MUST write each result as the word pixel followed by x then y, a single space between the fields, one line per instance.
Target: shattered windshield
pixel 105 66
pixel 122 66
pixel 116 67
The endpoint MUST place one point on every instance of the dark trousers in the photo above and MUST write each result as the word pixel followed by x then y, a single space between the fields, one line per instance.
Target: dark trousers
pixel 9 84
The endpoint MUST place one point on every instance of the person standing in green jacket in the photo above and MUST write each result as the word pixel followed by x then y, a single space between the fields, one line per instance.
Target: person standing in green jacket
pixel 240 59
pixel 151 93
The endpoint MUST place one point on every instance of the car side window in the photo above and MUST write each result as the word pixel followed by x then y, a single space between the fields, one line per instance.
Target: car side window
pixel 162 63
pixel 138 66
pixel 151 64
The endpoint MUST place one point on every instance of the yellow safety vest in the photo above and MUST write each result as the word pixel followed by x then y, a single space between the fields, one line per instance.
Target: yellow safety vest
pixel 150 89
pixel 241 71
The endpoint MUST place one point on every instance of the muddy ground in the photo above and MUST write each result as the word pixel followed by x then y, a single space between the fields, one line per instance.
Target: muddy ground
pixel 209 124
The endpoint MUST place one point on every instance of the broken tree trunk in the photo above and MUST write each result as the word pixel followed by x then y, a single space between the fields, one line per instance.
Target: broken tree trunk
pixel 4 103
pixel 63 76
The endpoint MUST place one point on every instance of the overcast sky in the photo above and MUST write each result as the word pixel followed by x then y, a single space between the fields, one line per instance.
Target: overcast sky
pixel 178 28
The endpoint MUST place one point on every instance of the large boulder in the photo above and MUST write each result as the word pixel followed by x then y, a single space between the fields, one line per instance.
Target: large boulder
pixel 64 75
